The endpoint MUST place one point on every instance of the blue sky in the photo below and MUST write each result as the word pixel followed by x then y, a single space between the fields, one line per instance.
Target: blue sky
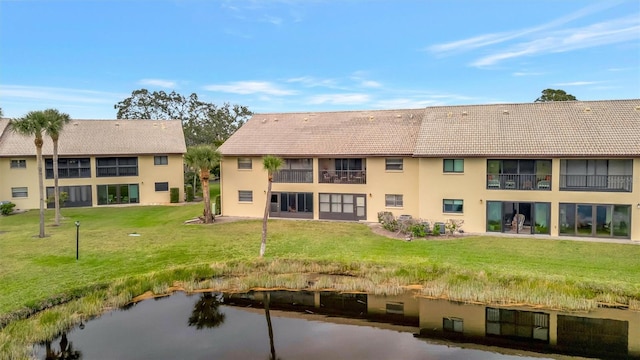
pixel 83 56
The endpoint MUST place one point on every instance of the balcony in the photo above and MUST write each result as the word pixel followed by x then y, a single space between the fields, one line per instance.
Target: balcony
pixel 605 183
pixel 519 181
pixel 293 176
pixel 343 177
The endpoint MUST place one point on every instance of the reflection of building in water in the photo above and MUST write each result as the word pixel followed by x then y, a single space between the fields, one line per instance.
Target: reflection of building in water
pixel 608 333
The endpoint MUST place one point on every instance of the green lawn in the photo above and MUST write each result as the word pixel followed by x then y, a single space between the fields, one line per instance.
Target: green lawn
pixel 33 270
pixel 38 273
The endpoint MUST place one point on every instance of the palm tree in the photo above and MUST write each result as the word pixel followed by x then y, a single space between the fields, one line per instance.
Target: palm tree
pixel 33 124
pixel 55 123
pixel 271 164
pixel 206 312
pixel 203 158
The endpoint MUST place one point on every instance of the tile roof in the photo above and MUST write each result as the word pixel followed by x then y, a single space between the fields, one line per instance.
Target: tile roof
pixel 345 133
pixel 563 128
pixel 567 128
pixel 102 137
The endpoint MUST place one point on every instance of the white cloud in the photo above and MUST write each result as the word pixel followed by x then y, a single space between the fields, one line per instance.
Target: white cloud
pixel 339 99
pixel 371 84
pixel 577 83
pixel 527 73
pixel 158 82
pixel 57 94
pixel 496 38
pixel 604 33
pixel 250 87
pixel 405 103
pixel 310 81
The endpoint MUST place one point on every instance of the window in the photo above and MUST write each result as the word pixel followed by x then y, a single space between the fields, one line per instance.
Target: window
pixel 160 160
pixel 453 324
pixel 118 194
pixel 77 196
pixel 453 165
pixel 117 166
pixel 18 192
pixel 19 164
pixel 395 308
pixel 162 186
pixel 245 196
pixel 69 168
pixel 452 206
pixel 393 164
pixel 393 200
pixel 244 163
pixel 517 324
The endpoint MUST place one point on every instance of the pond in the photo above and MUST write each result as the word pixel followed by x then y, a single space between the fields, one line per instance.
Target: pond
pixel 322 325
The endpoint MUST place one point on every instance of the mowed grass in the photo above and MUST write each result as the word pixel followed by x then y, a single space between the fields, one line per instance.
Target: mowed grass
pixel 34 270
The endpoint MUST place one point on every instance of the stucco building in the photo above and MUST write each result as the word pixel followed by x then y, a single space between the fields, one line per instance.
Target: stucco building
pixel 557 168
pixel 101 162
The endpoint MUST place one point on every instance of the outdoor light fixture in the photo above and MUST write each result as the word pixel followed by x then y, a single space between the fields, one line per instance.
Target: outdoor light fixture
pixel 77 239
pixel 638 205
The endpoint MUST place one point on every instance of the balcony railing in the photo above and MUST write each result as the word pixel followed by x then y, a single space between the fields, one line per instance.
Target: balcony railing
pixel 519 181
pixel 293 176
pixel 343 176
pixel 620 183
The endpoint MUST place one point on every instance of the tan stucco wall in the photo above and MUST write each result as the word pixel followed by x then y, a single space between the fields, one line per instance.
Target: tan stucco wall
pixel 473 315
pixel 10 178
pixel 148 175
pixel 378 183
pixel 424 185
pixel 470 186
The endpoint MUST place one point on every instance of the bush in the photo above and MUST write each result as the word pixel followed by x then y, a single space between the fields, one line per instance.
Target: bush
pixel 189 192
pixel 174 194
pixel 218 205
pixel 419 229
pixel 453 226
pixel 7 208
pixel 436 229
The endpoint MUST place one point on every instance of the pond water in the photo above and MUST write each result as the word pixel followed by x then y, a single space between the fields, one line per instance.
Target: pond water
pixel 325 325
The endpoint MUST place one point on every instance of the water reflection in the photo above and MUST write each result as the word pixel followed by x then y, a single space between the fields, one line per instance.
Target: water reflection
pixel 206 312
pixel 66 351
pixel 319 325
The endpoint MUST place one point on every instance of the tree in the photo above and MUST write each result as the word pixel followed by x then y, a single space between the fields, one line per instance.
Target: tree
pixel 34 124
pixel 55 123
pixel 203 158
pixel 206 312
pixel 271 164
pixel 555 95
pixel 203 122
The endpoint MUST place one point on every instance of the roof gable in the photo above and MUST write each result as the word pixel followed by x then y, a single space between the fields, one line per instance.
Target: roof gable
pixel 103 137
pixel 346 133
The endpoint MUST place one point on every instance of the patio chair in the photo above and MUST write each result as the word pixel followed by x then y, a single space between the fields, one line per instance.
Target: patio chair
pixel 493 183
pixel 518 222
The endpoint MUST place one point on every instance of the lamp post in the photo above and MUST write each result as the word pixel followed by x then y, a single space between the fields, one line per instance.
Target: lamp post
pixel 77 239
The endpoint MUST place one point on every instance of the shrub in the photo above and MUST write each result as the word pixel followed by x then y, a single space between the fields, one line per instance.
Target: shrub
pixel 452 226
pixel 384 216
pixel 436 229
pixel 7 208
pixel 188 190
pixel 419 229
pixel 174 194
pixel 218 205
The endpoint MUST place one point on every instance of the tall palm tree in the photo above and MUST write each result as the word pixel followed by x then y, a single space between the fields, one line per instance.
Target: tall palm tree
pixel 271 164
pixel 204 158
pixel 33 124
pixel 55 122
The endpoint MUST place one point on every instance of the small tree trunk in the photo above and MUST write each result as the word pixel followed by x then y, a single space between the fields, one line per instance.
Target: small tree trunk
pixel 204 178
pixel 269 325
pixel 263 245
pixel 41 186
pixel 56 189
